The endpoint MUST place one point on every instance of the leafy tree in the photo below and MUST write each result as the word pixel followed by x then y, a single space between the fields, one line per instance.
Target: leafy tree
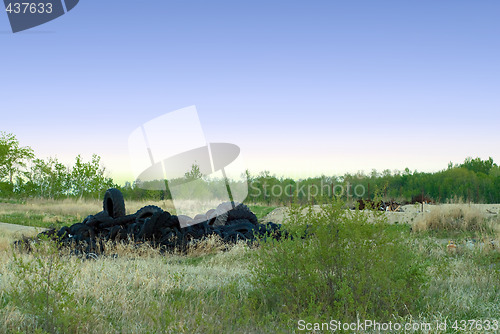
pixel 477 165
pixel 194 173
pixel 13 157
pixel 88 178
pixel 48 179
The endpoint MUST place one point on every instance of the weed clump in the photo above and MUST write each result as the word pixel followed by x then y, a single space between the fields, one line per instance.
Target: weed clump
pixel 43 288
pixel 338 265
pixel 459 218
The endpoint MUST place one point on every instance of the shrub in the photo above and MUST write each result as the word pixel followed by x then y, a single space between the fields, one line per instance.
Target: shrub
pixel 346 268
pixel 43 287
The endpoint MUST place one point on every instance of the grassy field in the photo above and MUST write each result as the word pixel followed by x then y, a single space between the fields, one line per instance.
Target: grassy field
pixel 347 269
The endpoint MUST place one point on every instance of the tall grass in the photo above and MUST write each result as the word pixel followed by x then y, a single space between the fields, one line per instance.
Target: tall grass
pixel 453 218
pixel 352 265
pixel 136 291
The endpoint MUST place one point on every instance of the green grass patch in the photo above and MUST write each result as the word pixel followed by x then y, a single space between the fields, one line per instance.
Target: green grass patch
pixel 456 236
pixel 39 220
pixel 12 201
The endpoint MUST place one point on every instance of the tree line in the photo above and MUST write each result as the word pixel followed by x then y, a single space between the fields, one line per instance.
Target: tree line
pixel 474 180
pixel 24 175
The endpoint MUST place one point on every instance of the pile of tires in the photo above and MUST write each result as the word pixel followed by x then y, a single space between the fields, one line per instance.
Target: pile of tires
pixel 232 222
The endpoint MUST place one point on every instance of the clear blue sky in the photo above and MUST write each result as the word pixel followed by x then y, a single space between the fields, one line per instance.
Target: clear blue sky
pixel 303 87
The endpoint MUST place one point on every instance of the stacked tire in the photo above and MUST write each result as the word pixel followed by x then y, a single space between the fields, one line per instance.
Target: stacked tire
pixel 232 222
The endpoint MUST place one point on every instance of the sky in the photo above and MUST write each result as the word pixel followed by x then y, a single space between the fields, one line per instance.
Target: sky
pixel 304 88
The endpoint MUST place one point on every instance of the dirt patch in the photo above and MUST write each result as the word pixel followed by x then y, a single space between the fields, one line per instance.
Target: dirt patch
pixel 13 229
pixel 407 215
pixel 11 232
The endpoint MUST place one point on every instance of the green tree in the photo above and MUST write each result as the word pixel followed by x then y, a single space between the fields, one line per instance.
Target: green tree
pixel 88 179
pixel 13 157
pixel 478 166
pixel 194 173
pixel 47 178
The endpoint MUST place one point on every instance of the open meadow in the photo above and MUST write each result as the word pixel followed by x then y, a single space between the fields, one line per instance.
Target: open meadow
pixel 442 264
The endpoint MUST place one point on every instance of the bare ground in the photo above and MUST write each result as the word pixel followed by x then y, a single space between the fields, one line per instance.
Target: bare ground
pixel 407 215
pixel 19 229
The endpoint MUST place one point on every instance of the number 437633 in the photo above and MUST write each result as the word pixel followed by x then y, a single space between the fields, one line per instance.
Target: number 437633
pixel 29 8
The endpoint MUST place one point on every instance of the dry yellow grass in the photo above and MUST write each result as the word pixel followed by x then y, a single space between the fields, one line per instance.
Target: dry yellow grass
pixel 83 208
pixel 131 292
pixel 452 218
pixel 60 207
pixel 5 242
pixel 7 237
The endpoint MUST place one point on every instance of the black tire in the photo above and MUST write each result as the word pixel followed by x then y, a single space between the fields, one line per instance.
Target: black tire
pixel 63 232
pixel 114 232
pixel 88 220
pixel 125 220
pixel 170 235
pixel 186 220
pixel 113 203
pixel 202 228
pixel 210 214
pixel 51 234
pixel 146 212
pixel 101 220
pixel 216 231
pixel 241 225
pixel 274 230
pixel 221 213
pixel 87 232
pixel 261 230
pixel 101 215
pixel 242 212
pixel 200 218
pixel 149 227
pixel 194 232
pixel 75 228
pixel 130 229
pixel 91 221
pixel 164 220
pixel 234 237
pixel 122 234
pixel 173 222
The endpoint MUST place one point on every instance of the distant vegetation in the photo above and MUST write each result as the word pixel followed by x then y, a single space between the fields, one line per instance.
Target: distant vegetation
pixel 474 180
pixel 22 175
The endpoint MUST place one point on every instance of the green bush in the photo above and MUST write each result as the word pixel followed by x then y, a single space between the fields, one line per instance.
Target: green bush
pixel 43 288
pixel 346 268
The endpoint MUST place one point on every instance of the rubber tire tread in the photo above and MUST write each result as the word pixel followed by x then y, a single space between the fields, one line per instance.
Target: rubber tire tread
pixel 241 212
pixel 146 212
pixel 113 203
